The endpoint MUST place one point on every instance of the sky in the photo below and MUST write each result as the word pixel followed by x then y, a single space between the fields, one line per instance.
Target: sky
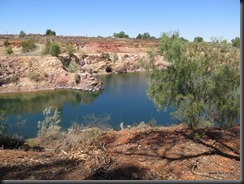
pixel 192 18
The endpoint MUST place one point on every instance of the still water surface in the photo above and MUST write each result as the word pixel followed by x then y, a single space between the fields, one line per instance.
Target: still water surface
pixel 124 99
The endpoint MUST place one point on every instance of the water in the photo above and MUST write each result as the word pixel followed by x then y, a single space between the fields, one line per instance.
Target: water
pixel 124 99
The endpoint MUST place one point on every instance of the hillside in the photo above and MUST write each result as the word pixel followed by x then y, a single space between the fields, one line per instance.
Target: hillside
pixel 33 70
pixel 137 153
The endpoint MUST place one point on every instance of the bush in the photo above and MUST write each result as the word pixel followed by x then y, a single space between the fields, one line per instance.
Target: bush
pixel 73 67
pixel 236 42
pixel 115 57
pixel 49 128
pixel 9 50
pixel 70 50
pixel 198 39
pixel 6 43
pixel 28 44
pixel 50 32
pixel 145 36
pixel 106 56
pixel 51 47
pixel 22 34
pixel 35 76
pixel 120 35
pixel 202 81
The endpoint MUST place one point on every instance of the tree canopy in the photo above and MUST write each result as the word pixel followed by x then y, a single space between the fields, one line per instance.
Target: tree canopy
pixel 202 81
pixel 145 36
pixel 121 35
pixel 50 32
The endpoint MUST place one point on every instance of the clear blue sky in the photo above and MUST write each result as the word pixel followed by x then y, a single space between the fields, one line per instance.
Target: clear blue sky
pixel 205 18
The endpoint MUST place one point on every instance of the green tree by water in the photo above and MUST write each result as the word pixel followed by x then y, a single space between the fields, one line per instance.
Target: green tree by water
pixel 202 81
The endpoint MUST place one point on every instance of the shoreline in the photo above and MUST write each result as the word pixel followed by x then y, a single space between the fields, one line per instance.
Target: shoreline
pixel 7 90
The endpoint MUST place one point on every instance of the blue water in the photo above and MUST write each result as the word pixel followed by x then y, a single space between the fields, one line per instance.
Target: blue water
pixel 124 99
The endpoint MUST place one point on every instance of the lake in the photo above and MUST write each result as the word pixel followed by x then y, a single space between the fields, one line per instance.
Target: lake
pixel 124 99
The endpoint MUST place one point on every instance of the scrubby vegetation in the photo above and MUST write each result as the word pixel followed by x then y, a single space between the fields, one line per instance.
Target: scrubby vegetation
pixel 121 34
pixel 9 50
pixel 70 50
pixel 145 36
pixel 22 34
pixel 202 82
pixel 6 43
pixel 50 32
pixel 28 44
pixel 52 47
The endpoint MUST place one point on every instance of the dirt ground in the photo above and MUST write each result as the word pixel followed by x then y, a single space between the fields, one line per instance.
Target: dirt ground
pixel 155 153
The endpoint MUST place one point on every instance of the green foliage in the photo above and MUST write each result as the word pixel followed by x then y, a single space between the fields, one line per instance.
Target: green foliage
pixel 52 47
pixel 120 35
pixel 35 76
pixel 236 42
pixel 6 43
pixel 202 81
pixel 198 39
pixel 70 50
pixel 106 56
pixel 49 127
pixel 50 32
pixel 22 34
pixel 115 57
pixel 28 45
pixel 145 36
pixel 73 67
pixel 9 50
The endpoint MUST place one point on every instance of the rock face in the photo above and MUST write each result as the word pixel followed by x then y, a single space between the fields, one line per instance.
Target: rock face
pixel 97 64
pixel 33 73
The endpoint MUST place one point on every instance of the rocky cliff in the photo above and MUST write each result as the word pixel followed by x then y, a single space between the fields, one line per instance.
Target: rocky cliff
pixel 33 73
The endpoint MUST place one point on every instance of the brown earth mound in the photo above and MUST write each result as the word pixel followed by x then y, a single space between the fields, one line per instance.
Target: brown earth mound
pixel 141 153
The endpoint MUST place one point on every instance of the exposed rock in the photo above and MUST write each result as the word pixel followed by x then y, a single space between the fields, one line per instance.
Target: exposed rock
pixel 32 73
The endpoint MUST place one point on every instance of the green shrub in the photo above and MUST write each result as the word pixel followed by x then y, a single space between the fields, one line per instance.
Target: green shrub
pixel 202 81
pixel 35 76
pixel 22 34
pixel 50 32
pixel 236 42
pixel 70 50
pixel 115 57
pixel 49 127
pixel 9 50
pixel 28 45
pixel 106 55
pixel 73 67
pixel 6 43
pixel 120 35
pixel 52 47
pixel 145 36
pixel 198 39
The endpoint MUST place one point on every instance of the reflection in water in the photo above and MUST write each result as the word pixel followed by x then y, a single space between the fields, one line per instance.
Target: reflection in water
pixel 124 99
pixel 20 103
